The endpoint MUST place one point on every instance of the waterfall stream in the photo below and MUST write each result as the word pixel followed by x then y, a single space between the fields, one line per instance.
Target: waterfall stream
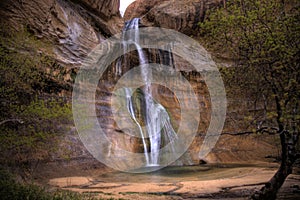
pixel 156 129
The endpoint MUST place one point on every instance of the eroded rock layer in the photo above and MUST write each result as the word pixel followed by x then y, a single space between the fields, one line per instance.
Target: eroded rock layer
pixel 72 27
pixel 140 7
pixel 75 27
pixel 182 16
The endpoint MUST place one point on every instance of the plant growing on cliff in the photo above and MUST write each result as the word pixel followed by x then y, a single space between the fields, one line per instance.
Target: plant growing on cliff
pixel 32 115
pixel 263 38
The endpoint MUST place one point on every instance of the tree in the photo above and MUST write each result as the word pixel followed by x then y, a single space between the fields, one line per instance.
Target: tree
pixel 263 38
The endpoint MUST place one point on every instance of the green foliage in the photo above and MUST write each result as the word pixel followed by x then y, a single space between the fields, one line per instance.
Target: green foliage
pixel 50 110
pixel 12 190
pixel 263 38
pixel 42 121
pixel 32 114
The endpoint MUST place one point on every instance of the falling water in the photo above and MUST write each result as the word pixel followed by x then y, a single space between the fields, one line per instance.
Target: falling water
pixel 130 109
pixel 158 129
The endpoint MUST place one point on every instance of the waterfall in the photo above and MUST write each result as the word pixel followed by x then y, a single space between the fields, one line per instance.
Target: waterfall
pixel 130 109
pixel 158 129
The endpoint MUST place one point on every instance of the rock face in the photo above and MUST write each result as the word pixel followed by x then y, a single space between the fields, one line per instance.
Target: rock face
pixel 140 7
pixel 182 16
pixel 229 148
pixel 72 27
pixel 105 9
pixel 75 27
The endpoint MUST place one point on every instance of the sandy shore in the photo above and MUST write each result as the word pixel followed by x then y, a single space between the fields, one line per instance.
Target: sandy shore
pixel 227 183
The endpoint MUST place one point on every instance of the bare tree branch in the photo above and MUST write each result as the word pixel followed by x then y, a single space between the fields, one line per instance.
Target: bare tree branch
pixel 11 120
pixel 265 129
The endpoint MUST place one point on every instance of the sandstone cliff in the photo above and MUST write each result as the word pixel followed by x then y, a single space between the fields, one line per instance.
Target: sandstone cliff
pixel 102 8
pixel 140 7
pixel 73 27
pixel 182 16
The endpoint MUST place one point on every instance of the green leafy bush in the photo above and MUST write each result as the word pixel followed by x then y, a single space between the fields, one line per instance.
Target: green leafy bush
pixel 12 190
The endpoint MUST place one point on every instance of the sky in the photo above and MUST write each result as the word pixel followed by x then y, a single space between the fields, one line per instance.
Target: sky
pixel 124 4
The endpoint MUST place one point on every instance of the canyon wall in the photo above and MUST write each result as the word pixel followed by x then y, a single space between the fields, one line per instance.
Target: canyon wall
pixel 73 28
pixel 140 7
pixel 182 16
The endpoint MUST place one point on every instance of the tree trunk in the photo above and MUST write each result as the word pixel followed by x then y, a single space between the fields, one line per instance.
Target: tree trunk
pixel 269 191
